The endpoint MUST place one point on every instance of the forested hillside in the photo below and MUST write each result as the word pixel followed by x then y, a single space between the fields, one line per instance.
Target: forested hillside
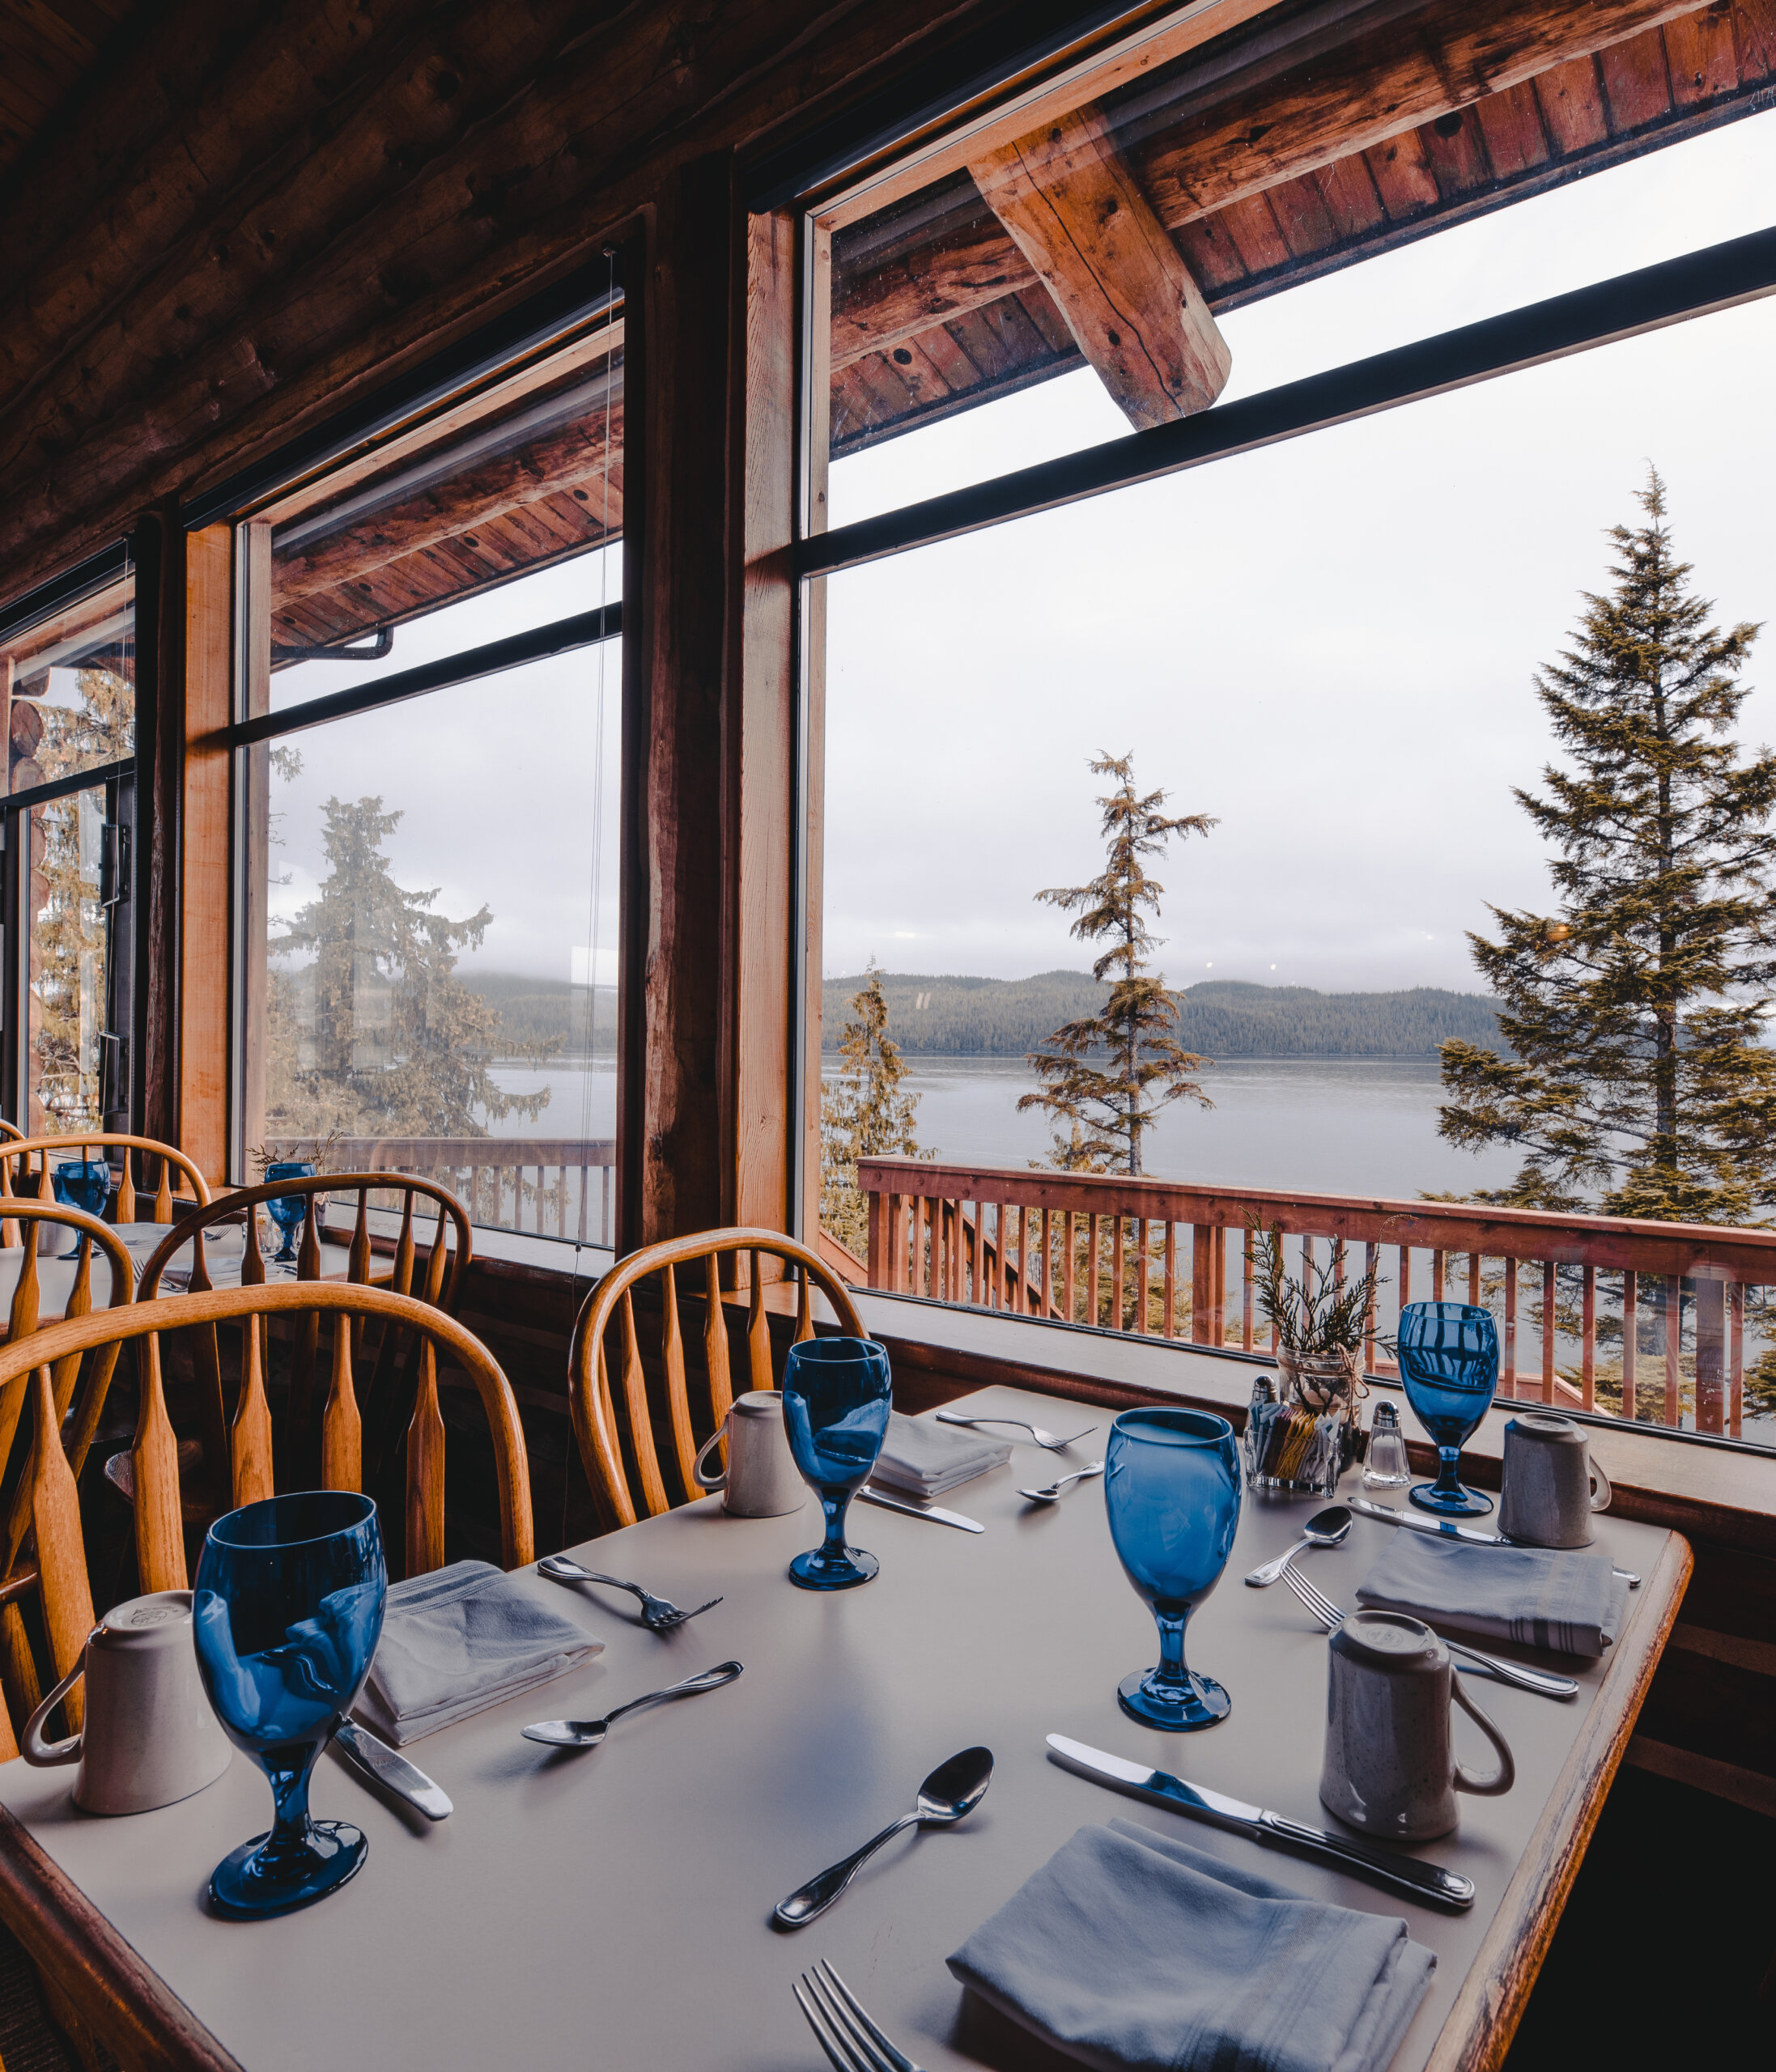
pixel 998 1017
pixel 535 1010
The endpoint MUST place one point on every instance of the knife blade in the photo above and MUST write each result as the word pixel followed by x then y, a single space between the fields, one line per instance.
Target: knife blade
pixel 1448 1529
pixel 1428 1881
pixel 387 1767
pixel 871 1494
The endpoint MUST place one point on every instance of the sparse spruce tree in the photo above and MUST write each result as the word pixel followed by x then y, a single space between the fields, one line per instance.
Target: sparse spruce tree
pixel 1637 1078
pixel 863 1114
pixel 1108 1075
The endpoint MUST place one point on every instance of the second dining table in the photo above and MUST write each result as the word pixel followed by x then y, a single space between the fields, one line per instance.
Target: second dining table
pixel 614 1907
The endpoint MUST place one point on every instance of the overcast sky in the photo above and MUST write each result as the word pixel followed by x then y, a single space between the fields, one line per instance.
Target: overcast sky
pixel 1329 645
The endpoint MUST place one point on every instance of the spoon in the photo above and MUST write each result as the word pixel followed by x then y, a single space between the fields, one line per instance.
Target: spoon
pixel 588 1733
pixel 1325 1528
pixel 953 1790
pixel 1051 1494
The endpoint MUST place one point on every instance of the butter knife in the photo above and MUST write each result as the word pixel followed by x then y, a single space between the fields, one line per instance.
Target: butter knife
pixel 871 1494
pixel 385 1766
pixel 1448 1529
pixel 1428 1882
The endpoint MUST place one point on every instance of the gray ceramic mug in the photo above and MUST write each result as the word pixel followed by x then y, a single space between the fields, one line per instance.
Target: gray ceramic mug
pixel 1390 1766
pixel 1551 1484
pixel 761 1479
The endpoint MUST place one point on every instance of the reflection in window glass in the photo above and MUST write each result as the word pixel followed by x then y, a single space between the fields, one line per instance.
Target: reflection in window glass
pixel 66 1067
pixel 70 686
pixel 432 961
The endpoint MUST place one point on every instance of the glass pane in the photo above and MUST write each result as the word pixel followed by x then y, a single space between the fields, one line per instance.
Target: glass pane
pixel 70 685
pixel 65 1065
pixel 990 319
pixel 464 533
pixel 432 953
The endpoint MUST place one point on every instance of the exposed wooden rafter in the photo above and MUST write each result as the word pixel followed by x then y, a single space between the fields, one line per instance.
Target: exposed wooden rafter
pixel 1073 210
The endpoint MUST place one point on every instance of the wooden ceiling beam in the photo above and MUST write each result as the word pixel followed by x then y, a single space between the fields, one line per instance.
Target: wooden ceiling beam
pixel 1380 85
pixel 1073 210
pixel 575 458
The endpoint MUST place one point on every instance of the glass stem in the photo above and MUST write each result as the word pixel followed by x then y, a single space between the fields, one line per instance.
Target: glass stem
pixel 833 1548
pixel 1171 1671
pixel 289 1770
pixel 1448 1480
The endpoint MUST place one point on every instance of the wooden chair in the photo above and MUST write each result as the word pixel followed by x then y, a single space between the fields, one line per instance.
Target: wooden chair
pixel 10 1131
pixel 16 1147
pixel 58 1568
pixel 435 1276
pixel 623 1497
pixel 160 1554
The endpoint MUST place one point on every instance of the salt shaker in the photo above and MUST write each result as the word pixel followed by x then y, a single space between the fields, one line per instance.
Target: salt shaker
pixel 1385 1466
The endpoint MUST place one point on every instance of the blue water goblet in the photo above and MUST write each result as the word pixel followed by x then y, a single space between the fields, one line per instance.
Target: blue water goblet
pixel 1449 1364
pixel 1172 1488
pixel 81 1183
pixel 286 1617
pixel 287 1210
pixel 835 1401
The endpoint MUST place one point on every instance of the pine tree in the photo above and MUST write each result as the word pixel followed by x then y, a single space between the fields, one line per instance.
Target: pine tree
pixel 1639 1080
pixel 1109 1106
pixel 371 1033
pixel 863 1114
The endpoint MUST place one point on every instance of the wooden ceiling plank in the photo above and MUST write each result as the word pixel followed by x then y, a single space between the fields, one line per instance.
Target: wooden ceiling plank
pixel 1211 255
pixel 1073 209
pixel 877 311
pixel 1038 307
pixel 1511 125
pixel 1571 99
pixel 1458 161
pixel 1636 84
pixel 1754 39
pixel 1403 176
pixel 1302 216
pixel 1700 55
pixel 1257 236
pixel 1350 195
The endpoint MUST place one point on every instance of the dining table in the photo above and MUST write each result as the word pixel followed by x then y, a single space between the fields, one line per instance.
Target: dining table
pixel 224 1245
pixel 613 1907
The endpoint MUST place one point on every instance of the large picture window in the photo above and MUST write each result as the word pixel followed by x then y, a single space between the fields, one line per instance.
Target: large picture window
pixel 426 787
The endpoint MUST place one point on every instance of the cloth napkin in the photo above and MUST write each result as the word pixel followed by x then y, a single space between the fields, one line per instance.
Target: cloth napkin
pixel 926 1459
pixel 458 1640
pixel 1574 1603
pixel 1134 1952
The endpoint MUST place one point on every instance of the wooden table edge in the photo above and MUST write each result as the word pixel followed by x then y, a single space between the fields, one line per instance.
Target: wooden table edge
pixel 1478 2031
pixel 90 1974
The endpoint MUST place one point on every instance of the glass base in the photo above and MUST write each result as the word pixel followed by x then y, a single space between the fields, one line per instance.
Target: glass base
pixel 1464 1503
pixel 817 1570
pixel 1157 1704
pixel 248 1884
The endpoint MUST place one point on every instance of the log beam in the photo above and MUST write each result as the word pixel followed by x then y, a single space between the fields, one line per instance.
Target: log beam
pixel 1072 209
pixel 1266 129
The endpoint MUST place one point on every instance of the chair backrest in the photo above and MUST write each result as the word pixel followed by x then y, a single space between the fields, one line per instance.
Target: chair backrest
pixel 18 1175
pixel 11 1131
pixel 160 1557
pixel 594 1415
pixel 435 1274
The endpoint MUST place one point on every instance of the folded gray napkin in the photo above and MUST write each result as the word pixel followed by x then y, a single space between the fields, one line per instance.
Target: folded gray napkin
pixel 1573 1603
pixel 458 1640
pixel 1134 1952
pixel 926 1459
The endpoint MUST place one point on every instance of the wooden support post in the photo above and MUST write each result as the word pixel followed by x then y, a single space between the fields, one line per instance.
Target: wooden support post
pixel 1508 1381
pixel 1588 1353
pixel 1711 1298
pixel 1202 1269
pixel 204 957
pixel 1548 1331
pixel 1630 1334
pixel 1736 1343
pixel 1674 1340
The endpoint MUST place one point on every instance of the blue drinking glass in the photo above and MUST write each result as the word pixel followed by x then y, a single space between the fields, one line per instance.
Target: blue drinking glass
pixel 1449 1363
pixel 81 1183
pixel 286 1614
pixel 835 1400
pixel 287 1210
pixel 1171 1488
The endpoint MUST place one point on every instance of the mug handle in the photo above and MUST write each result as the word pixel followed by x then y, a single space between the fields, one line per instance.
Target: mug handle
pixel 1506 1775
pixel 44 1754
pixel 1601 1496
pixel 711 1481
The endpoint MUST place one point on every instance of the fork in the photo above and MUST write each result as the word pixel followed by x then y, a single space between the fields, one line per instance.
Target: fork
pixel 659 1615
pixel 836 2016
pixel 1042 1438
pixel 1538 1680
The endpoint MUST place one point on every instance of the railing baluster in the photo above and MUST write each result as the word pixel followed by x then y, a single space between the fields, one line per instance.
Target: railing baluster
pixel 1369 1252
pixel 1437 1276
pixel 1245 1290
pixel 1091 1270
pixel 1219 1315
pixel 1473 1279
pixel 1630 1345
pixel 1674 1334
pixel 1171 1278
pixel 1548 1331
pixel 1509 1380
pixel 1588 1344
pixel 1141 1229
pixel 1709 1296
pixel 1118 1262
pixel 1736 1340
pixel 1066 1271
pixel 1405 1275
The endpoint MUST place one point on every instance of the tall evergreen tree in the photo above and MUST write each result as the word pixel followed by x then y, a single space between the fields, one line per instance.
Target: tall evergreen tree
pixel 1639 1080
pixel 1109 1106
pixel 863 1114
pixel 370 1033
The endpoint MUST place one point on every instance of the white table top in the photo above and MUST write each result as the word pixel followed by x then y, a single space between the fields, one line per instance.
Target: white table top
pixel 222 1253
pixel 612 1908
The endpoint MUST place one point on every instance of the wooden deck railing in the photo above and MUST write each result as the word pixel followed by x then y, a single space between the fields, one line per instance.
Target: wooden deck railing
pixel 1647 1320
pixel 558 1186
